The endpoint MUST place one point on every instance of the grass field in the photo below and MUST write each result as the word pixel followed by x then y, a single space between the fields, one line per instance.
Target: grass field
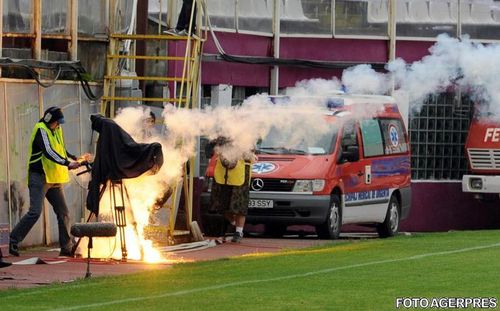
pixel 346 275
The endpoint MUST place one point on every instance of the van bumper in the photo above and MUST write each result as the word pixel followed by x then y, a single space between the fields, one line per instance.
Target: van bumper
pixel 288 208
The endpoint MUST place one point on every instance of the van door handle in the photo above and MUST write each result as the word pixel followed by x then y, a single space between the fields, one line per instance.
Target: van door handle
pixel 360 173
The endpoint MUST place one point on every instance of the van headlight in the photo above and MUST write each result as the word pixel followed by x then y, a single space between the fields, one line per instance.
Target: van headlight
pixel 309 185
pixel 476 183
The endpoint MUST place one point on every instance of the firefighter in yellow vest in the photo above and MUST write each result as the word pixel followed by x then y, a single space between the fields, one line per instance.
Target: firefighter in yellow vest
pixel 231 189
pixel 48 165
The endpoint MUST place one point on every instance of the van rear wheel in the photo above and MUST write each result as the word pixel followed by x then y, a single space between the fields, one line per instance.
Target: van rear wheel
pixel 331 228
pixel 390 226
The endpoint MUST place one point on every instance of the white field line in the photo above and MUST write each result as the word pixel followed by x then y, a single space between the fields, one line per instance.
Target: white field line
pixel 281 278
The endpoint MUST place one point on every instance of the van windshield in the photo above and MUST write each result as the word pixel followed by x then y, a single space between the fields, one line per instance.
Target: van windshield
pixel 293 142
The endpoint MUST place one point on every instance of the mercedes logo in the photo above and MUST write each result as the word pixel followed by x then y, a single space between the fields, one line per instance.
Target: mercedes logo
pixel 257 184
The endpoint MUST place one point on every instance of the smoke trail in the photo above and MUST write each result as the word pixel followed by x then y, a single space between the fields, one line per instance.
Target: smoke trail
pixel 245 124
pixel 471 67
pixel 315 87
pixel 468 66
pixel 363 79
pixel 433 74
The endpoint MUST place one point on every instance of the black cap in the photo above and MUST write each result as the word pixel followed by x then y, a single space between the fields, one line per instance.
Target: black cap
pixel 53 114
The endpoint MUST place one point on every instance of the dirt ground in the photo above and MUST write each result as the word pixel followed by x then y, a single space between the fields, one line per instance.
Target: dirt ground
pixel 64 270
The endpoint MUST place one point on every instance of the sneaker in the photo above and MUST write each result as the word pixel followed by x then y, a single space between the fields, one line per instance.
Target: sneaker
pixel 237 236
pixel 177 32
pixel 13 249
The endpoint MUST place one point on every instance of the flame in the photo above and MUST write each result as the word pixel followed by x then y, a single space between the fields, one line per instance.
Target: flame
pixel 140 196
pixel 142 192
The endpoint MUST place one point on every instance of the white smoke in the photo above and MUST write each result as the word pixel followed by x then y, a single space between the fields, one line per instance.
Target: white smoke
pixel 452 64
pixel 471 67
pixel 315 87
pixel 433 74
pixel 363 79
pixel 246 124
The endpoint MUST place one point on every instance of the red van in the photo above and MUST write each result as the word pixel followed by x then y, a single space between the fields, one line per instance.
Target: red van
pixel 357 173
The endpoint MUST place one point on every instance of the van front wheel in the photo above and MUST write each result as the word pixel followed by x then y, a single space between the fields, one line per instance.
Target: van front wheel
pixel 331 228
pixel 390 226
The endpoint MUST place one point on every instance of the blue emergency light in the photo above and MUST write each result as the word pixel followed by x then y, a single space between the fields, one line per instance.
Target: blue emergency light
pixel 333 103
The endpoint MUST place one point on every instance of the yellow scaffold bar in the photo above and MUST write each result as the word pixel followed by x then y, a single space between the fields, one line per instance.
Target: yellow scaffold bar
pixel 170 79
pixel 152 99
pixel 147 37
pixel 179 58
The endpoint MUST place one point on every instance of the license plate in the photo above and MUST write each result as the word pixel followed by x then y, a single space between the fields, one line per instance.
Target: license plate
pixel 260 203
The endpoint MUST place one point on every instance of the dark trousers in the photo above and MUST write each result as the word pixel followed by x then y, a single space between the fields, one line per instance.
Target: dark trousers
pixel 39 190
pixel 185 15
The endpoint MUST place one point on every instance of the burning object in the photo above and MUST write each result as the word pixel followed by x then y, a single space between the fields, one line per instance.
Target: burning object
pixel 118 156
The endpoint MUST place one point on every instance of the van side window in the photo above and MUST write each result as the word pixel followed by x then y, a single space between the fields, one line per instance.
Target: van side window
pixel 394 139
pixel 372 138
pixel 349 136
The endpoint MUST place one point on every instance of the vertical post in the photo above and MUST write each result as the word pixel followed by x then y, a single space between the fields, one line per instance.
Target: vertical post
pixel 459 20
pixel 73 28
pixel 89 247
pixel 80 117
pixel 171 14
pixel 458 95
pixel 7 155
pixel 172 47
pixel 333 16
pixel 237 15
pixel 6 122
pixel 111 61
pixel 274 85
pixel 37 28
pixel 142 28
pixel 159 17
pixel 1 31
pixel 391 29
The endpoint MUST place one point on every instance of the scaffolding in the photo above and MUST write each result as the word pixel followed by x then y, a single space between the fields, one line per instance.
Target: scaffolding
pixel 184 89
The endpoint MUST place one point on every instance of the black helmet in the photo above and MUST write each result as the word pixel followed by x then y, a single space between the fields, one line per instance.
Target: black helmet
pixel 53 114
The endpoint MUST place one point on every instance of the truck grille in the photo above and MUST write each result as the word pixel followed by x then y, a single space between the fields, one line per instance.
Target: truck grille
pixel 484 159
pixel 274 184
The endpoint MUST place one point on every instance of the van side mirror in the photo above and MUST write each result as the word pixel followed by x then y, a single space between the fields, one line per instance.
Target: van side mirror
pixel 351 154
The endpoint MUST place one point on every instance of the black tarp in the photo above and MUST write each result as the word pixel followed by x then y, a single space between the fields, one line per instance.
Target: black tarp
pixel 118 157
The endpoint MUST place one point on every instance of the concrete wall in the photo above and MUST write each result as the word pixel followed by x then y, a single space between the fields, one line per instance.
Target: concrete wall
pixel 20 109
pixel 442 206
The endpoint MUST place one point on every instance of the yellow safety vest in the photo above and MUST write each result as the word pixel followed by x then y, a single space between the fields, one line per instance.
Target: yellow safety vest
pixel 54 172
pixel 230 177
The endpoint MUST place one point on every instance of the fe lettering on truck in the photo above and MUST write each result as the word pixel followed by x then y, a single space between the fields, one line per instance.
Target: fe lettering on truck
pixel 493 134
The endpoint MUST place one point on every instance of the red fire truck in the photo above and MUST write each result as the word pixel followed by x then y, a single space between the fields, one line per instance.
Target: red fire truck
pixel 483 153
